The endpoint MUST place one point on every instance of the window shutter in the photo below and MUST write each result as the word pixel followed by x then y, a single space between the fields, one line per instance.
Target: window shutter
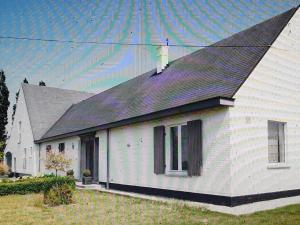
pixel 82 158
pixel 194 147
pixel 159 150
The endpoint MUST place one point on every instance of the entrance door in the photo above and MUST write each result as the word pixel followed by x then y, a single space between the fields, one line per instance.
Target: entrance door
pixel 90 156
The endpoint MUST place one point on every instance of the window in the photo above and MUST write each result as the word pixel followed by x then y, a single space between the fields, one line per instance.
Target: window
pixel 24 159
pixel 276 142
pixel 19 132
pixel 48 148
pixel 30 158
pixel 61 147
pixel 178 148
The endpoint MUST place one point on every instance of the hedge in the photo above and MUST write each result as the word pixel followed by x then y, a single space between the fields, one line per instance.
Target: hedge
pixel 34 185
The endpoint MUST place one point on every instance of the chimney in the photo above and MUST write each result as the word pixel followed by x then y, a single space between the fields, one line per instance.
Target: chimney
pixel 162 58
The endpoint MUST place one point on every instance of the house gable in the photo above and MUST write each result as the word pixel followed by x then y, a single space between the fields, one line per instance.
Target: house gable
pixel 46 105
pixel 271 93
pixel 21 139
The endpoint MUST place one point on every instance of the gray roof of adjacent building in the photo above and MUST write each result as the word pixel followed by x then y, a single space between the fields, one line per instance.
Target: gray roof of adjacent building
pixel 216 71
pixel 45 105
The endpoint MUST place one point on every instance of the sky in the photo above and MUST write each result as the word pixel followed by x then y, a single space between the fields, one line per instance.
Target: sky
pixel 94 68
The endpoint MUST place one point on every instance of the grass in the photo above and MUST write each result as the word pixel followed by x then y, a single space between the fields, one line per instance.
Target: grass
pixel 103 208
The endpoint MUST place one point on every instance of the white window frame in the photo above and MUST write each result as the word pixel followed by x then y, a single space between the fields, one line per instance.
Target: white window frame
pixel 280 164
pixel 169 171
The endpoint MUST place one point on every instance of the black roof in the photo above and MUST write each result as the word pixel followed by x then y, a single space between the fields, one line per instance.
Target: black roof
pixel 217 71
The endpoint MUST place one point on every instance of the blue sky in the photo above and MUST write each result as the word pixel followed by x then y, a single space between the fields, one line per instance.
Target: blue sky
pixel 94 68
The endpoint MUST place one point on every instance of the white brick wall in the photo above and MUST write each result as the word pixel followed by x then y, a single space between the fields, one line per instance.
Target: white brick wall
pixel 131 155
pixel 70 153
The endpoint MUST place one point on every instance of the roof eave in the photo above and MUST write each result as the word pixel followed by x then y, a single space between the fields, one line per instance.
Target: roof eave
pixel 200 105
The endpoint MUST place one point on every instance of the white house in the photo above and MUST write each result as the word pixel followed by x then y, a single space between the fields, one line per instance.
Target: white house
pixel 38 108
pixel 219 126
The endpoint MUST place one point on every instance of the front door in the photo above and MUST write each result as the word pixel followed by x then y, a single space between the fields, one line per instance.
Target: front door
pixel 90 156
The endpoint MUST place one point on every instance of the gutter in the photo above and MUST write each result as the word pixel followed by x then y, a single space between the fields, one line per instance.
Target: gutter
pixel 191 107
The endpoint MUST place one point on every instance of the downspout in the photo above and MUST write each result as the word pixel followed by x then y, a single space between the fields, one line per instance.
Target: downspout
pixel 39 158
pixel 107 158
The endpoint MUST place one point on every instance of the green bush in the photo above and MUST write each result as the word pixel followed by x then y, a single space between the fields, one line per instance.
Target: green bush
pixel 34 185
pixel 59 195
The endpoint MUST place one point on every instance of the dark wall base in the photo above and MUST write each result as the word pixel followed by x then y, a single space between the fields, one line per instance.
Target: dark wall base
pixel 204 198
pixel 20 174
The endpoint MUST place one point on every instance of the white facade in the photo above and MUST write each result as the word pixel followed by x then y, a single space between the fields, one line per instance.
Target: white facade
pixel 72 147
pixel 132 159
pixel 21 143
pixel 131 154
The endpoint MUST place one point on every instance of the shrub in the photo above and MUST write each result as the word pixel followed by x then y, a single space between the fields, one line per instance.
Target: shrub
pixel 70 173
pixel 34 185
pixel 3 169
pixel 59 195
pixel 86 173
pixel 57 162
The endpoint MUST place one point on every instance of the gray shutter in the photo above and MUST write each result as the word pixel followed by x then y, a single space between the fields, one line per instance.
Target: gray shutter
pixel 194 147
pixel 96 159
pixel 159 150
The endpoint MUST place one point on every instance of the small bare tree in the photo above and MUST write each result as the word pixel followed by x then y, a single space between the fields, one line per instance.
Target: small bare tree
pixel 57 162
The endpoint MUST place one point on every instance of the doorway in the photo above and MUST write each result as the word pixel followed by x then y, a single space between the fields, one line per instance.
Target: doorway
pixel 89 156
pixel 8 158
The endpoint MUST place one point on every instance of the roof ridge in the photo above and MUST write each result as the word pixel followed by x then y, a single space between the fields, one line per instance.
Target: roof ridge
pixel 62 89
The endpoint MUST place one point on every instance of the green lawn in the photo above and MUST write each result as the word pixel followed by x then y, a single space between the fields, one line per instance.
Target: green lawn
pixel 103 208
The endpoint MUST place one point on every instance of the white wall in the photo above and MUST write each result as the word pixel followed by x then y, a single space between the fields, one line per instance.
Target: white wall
pixel 72 147
pixel 74 154
pixel 132 163
pixel 131 154
pixel 272 92
pixel 17 149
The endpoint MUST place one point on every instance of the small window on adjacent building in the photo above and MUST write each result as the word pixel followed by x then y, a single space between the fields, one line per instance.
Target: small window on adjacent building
pixel 24 159
pixel 61 147
pixel 178 148
pixel 276 142
pixel 19 131
pixel 48 148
